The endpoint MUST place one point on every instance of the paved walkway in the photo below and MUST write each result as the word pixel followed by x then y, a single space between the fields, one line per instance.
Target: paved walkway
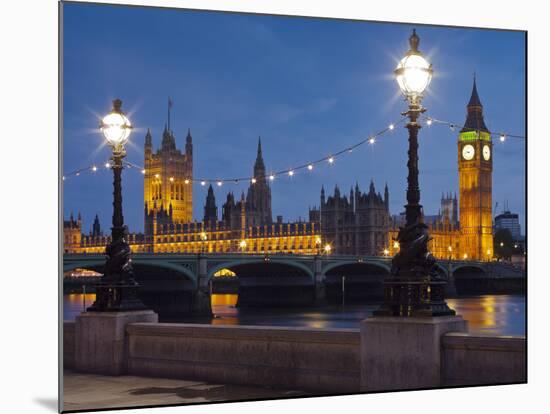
pixel 86 391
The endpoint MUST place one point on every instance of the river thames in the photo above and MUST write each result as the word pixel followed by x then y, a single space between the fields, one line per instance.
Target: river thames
pixel 487 314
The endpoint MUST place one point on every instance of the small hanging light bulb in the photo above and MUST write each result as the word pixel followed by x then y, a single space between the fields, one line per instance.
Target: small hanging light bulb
pixel 143 171
pixel 203 183
pixel 253 180
pixel 372 140
pixel 94 168
pixel 502 138
pixel 429 121
pixel 271 177
pixel 330 160
pixel 391 127
pixel 63 178
pixel 310 167
pixel 107 165
pixel 78 173
pixel 219 183
pixel 291 173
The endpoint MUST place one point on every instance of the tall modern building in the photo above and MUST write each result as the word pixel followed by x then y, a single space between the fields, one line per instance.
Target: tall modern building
pixel 475 168
pixel 509 221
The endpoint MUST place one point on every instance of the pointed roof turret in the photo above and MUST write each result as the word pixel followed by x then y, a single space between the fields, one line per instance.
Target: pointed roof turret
pixel 259 166
pixel 371 187
pixel 189 138
pixel 474 99
pixel 148 138
pixel 210 208
pixel 474 119
pixel 168 141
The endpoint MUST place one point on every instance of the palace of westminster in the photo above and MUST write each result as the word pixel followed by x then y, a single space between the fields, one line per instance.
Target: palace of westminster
pixel 358 224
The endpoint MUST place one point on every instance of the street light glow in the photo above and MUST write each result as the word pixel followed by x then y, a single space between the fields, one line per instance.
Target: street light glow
pixel 413 73
pixel 116 127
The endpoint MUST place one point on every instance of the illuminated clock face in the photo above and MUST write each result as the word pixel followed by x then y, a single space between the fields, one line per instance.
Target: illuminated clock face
pixel 486 152
pixel 468 152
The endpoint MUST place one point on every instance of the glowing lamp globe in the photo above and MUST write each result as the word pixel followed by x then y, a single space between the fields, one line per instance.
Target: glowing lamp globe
pixel 116 127
pixel 414 72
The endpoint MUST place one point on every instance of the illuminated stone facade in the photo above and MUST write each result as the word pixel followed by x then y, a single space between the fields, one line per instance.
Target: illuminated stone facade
pixel 475 167
pixel 357 225
pixel 167 183
pixel 72 234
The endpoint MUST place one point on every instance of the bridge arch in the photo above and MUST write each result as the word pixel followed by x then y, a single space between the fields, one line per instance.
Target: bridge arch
pixel 469 270
pixel 99 263
pixel 442 270
pixel 384 268
pixel 96 265
pixel 242 263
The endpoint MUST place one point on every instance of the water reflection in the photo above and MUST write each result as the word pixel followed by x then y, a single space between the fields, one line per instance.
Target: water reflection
pixel 492 314
pixel 74 303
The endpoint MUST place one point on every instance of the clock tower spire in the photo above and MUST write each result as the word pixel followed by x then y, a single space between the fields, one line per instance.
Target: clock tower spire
pixel 475 169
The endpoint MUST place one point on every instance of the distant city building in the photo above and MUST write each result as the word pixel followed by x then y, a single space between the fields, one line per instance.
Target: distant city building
pixel 509 221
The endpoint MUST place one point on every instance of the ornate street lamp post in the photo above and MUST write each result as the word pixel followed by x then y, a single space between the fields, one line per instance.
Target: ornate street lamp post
pixel 413 288
pixel 118 289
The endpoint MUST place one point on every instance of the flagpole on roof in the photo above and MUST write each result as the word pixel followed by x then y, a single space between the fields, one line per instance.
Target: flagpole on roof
pixel 169 106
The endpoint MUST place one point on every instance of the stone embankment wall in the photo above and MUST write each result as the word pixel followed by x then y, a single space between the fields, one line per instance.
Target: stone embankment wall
pixel 324 360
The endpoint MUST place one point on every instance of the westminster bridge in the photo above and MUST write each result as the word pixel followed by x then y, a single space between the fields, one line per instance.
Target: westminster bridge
pixel 174 283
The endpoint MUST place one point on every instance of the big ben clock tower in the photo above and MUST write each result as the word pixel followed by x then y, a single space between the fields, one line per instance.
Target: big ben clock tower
pixel 475 168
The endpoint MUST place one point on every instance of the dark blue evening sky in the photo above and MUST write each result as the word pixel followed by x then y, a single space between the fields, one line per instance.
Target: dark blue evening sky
pixel 308 86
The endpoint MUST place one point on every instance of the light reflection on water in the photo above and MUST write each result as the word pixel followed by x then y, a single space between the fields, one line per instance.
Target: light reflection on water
pixel 492 314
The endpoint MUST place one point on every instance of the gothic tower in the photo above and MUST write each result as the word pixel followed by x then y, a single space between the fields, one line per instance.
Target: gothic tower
pixel 258 197
pixel 475 167
pixel 167 184
pixel 210 209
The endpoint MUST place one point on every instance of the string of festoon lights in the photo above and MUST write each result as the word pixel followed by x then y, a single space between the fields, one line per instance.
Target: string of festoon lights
pixel 309 166
pixel 453 126
pixel 289 172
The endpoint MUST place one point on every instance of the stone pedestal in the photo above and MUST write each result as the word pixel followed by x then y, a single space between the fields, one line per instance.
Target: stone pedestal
pixel 399 353
pixel 101 342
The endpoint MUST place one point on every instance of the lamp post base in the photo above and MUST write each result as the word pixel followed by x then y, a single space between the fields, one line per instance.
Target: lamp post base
pixel 116 297
pixel 414 298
